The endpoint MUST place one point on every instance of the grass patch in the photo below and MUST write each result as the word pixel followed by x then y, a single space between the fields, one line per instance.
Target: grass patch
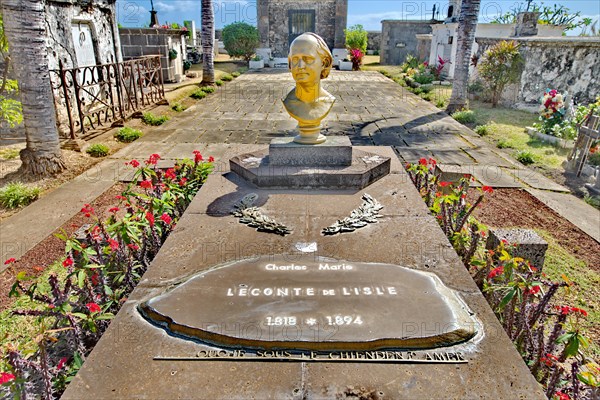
pixel 525 157
pixel 178 107
pixel 235 74
pixel 584 294
pixel 504 144
pixel 16 194
pixel 151 119
pixel 198 94
pixel 219 82
pixel 127 134
pixel 98 150
pixel 227 78
pixel 465 116
pixel 208 89
pixel 9 153
pixel 593 201
pixel 482 130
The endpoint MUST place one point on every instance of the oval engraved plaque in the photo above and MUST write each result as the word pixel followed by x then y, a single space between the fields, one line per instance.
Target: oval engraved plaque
pixel 314 304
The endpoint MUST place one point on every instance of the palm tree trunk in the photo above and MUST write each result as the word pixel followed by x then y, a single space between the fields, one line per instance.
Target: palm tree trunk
pixel 208 42
pixel 467 23
pixel 26 33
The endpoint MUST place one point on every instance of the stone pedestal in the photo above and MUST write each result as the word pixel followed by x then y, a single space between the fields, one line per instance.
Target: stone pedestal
pixel 336 151
pixel 333 164
pixel 529 245
pixel 526 24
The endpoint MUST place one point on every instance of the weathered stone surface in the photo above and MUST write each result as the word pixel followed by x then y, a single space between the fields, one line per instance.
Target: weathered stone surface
pixel 365 169
pixel 335 151
pixel 529 245
pixel 280 303
pixel 203 239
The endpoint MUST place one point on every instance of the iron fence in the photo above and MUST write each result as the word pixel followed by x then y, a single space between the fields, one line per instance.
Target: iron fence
pixel 100 95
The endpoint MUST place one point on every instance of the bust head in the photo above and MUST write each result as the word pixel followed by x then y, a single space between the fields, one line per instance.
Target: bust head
pixel 310 59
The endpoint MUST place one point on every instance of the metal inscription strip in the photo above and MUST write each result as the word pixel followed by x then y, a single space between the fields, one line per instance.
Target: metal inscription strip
pixel 314 304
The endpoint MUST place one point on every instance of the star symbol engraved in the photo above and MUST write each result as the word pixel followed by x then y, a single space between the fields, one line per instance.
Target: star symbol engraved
pixel 311 321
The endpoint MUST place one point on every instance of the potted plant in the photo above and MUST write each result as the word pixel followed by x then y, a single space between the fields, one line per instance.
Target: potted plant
pixel 257 63
pixel 345 65
pixel 271 62
pixel 173 54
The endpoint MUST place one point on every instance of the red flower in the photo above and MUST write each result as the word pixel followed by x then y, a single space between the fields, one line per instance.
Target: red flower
pixel 565 310
pixel 87 210
pixel 170 174
pixel 211 159
pixel 438 194
pixel 93 307
pixel 197 156
pixel 444 184
pixel 119 197
pixel 51 306
pixel 114 245
pixel 561 396
pixel 496 271
pixel 147 184
pixel 423 161
pixel 533 290
pixel 95 279
pixel 153 159
pixel 68 262
pixel 482 233
pixel 432 161
pixel 182 181
pixel 114 210
pixel 133 246
pixel 134 163
pixel 150 218
pixel 61 363
pixel 166 218
pixel 10 261
pixel 487 189
pixel 6 377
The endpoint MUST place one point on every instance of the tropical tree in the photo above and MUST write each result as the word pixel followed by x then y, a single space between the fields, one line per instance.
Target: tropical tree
pixel 24 27
pixel 208 43
pixel 500 66
pixel 467 23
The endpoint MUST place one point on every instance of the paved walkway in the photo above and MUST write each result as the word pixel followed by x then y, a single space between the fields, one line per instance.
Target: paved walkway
pixel 370 109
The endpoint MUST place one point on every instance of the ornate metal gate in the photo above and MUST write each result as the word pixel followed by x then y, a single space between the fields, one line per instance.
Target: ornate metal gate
pixel 101 95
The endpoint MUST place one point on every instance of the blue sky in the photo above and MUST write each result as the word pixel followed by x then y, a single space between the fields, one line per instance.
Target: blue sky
pixel 369 13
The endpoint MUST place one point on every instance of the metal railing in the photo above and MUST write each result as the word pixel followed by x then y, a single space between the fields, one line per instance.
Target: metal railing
pixel 101 95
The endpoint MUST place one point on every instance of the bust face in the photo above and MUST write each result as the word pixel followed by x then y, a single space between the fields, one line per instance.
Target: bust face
pixel 306 64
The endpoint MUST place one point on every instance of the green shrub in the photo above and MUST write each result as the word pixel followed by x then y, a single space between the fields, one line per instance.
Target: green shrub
pixel 424 78
pixel 594 159
pixel 240 40
pixel 227 78
pixel 501 65
pixel 356 38
pixel 98 150
pixel 426 88
pixel 400 81
pixel 504 144
pixel 593 201
pixel 208 89
pixel 16 194
pixel 151 119
pixel 440 104
pixel 127 135
pixel 525 157
pixel 464 117
pixel 199 94
pixel 219 82
pixel 482 130
pixel 235 74
pixel 178 107
pixel 417 90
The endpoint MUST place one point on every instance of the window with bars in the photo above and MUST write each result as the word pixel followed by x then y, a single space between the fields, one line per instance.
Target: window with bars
pixel 300 21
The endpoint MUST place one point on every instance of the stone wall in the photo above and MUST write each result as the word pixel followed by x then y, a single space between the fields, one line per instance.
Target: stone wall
pixel 139 42
pixel 568 64
pixel 374 43
pixel 399 39
pixel 273 22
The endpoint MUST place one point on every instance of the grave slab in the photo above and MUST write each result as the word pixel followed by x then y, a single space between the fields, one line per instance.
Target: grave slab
pixel 137 359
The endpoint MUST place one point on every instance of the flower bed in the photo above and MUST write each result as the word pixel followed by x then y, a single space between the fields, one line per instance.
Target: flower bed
pixel 74 307
pixel 547 336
